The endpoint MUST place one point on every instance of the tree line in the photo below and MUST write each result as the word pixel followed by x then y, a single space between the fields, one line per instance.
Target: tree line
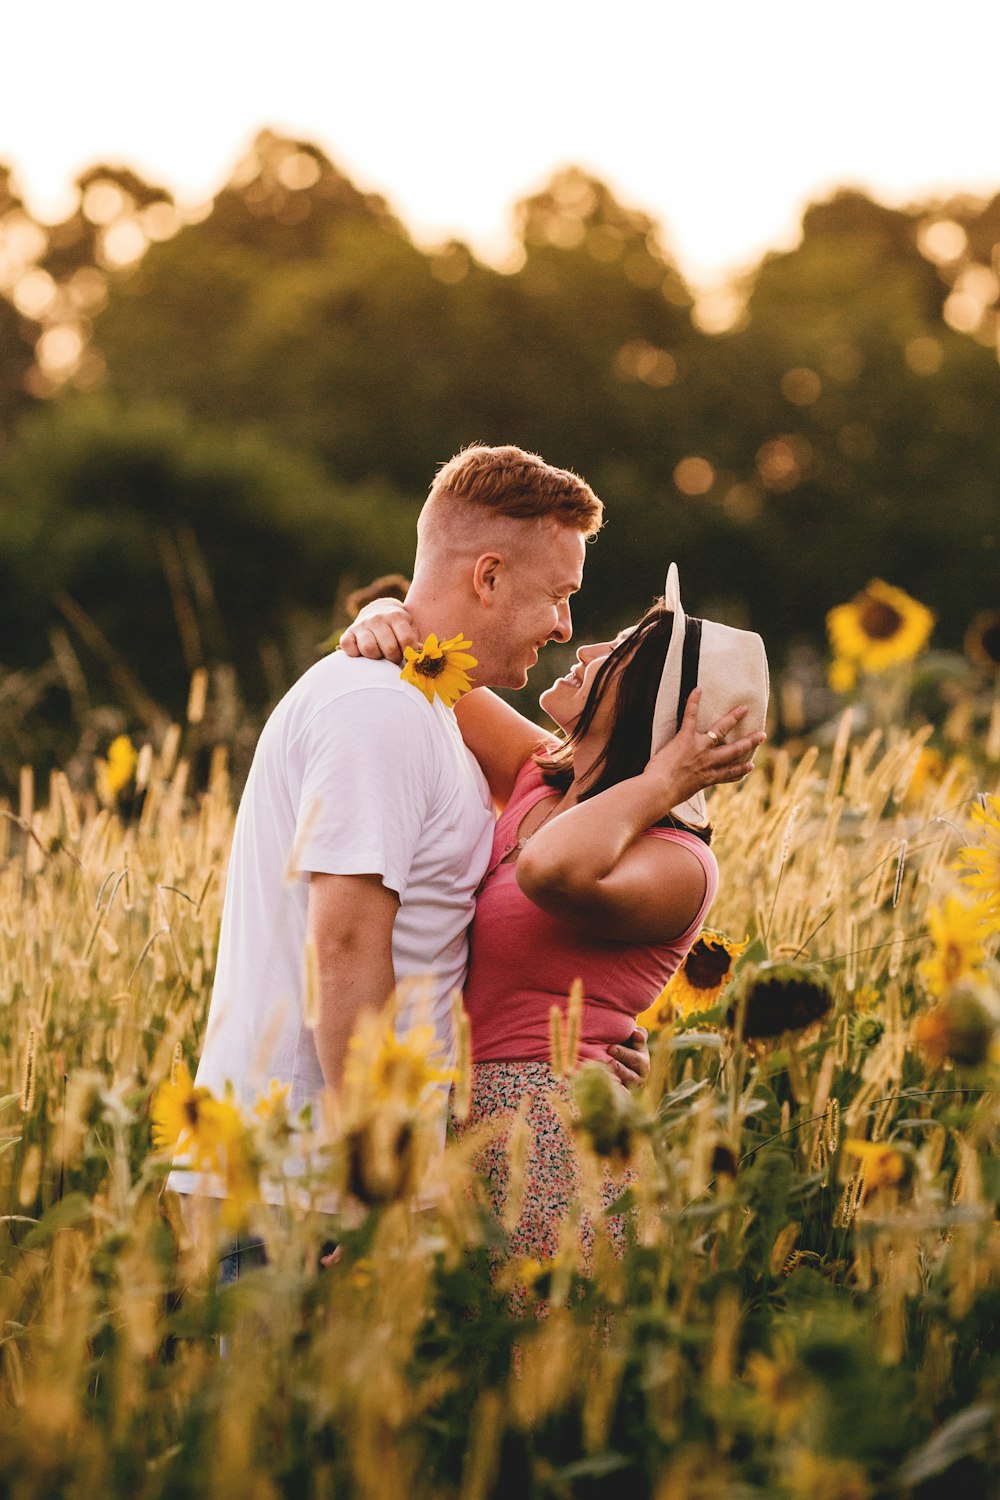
pixel 213 425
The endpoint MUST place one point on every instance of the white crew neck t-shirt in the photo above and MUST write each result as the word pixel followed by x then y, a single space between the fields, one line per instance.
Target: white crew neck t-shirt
pixel 355 773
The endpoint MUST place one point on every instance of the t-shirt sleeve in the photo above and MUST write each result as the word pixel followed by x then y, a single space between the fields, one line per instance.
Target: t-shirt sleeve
pixel 367 782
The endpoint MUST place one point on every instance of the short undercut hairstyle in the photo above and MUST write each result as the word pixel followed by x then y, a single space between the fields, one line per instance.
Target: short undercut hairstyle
pixel 510 482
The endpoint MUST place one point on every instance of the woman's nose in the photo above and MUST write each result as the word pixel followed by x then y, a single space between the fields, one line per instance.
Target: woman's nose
pixel 587 654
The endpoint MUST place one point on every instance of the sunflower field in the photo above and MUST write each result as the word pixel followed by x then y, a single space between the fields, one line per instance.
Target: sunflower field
pixel 808 1302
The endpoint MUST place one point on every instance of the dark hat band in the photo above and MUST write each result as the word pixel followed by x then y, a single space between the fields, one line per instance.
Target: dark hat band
pixel 689 665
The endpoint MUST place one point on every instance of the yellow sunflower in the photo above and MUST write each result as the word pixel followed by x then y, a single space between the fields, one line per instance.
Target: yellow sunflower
pixel 192 1120
pixel 274 1103
pixel 879 628
pixel 979 862
pixel 958 931
pixel 241 1173
pixel 386 1069
pixel 699 981
pixel 439 668
pixel 842 675
pixel 982 640
pixel 115 773
pixel 882 1165
pixel 929 770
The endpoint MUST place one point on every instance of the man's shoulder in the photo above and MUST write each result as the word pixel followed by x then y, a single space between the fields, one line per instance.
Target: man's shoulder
pixel 368 697
pixel 338 676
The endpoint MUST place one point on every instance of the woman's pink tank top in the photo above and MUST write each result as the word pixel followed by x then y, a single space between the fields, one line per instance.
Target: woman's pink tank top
pixel 523 961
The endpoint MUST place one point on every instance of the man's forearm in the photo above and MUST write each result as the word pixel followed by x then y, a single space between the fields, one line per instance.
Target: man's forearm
pixel 349 926
pixel 351 982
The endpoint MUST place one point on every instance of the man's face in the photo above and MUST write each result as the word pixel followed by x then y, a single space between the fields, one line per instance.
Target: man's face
pixel 534 588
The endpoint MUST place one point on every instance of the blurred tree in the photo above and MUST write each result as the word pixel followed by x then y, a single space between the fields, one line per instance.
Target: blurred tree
pixel 21 242
pixel 849 420
pixel 180 544
pixel 336 331
pixel 283 371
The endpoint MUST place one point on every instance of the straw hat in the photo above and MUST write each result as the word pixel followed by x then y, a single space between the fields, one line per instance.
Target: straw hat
pixel 730 667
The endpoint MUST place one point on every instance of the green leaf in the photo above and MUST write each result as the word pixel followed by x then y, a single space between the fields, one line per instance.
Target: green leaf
pixel 694 1039
pixel 755 954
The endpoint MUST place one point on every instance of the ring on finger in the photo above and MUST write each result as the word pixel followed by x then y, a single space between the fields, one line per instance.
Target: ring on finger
pixel 715 738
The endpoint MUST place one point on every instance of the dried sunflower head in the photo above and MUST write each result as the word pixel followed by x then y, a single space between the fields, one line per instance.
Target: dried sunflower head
pixel 773 998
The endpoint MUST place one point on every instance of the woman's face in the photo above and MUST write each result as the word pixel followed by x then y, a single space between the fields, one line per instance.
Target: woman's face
pixel 564 700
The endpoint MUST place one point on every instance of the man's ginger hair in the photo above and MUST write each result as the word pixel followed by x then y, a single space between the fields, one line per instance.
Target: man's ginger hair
pixel 507 481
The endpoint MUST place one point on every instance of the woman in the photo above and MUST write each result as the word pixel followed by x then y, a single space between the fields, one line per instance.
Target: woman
pixel 594 875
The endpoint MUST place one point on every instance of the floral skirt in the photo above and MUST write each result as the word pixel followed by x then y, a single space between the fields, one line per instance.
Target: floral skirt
pixel 552 1177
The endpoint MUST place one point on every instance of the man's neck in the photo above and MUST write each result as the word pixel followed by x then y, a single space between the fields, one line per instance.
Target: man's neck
pixel 447 616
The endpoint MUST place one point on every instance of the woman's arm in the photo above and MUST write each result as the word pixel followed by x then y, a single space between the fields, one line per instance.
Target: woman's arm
pixel 589 865
pixel 499 737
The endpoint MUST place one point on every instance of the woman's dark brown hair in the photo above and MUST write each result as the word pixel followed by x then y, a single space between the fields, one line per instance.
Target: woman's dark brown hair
pixel 632 672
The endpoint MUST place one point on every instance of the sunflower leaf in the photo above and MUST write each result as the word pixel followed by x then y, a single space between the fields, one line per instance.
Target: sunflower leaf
pixel 756 953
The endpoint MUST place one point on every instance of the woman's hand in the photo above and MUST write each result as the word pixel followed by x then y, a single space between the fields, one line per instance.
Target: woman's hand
pixel 380 632
pixel 692 762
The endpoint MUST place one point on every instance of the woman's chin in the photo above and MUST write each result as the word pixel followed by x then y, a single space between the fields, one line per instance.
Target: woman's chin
pixel 552 701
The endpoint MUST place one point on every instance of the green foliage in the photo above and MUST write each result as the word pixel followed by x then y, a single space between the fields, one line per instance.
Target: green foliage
pixel 182 542
pixel 281 375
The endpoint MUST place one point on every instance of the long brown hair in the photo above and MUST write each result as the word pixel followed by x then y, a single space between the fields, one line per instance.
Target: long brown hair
pixel 632 672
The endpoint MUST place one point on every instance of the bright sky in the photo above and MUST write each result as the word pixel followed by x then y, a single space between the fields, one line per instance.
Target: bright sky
pixel 720 117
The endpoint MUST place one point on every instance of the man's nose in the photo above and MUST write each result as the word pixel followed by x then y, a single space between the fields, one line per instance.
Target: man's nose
pixel 564 624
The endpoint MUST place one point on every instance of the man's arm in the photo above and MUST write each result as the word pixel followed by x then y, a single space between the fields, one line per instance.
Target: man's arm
pixel 350 920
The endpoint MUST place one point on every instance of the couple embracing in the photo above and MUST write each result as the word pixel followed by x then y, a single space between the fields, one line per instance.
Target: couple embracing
pixel 369 827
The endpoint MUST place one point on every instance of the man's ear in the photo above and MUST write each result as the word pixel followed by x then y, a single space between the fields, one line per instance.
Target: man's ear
pixel 485 575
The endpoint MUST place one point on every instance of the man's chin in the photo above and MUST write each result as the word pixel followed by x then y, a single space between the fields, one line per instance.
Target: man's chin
pixel 516 676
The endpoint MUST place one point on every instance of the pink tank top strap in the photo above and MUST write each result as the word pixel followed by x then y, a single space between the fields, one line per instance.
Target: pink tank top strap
pixel 529 788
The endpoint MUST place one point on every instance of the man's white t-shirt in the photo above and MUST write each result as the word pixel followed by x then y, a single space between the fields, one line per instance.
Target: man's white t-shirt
pixel 355 773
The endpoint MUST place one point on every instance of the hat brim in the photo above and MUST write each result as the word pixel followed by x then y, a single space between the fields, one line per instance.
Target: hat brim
pixel 732 669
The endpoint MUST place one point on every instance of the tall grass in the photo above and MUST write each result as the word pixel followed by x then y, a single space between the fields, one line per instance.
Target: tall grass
pixel 792 1315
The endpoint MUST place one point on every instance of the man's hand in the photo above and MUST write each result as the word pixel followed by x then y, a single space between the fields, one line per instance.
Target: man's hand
pixel 630 1061
pixel 380 632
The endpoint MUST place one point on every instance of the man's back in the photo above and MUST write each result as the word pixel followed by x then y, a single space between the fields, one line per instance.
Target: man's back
pixel 355 774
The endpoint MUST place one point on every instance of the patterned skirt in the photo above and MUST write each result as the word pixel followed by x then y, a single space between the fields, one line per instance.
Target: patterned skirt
pixel 552 1176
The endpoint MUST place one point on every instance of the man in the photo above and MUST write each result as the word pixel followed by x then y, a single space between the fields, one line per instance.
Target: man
pixel 365 825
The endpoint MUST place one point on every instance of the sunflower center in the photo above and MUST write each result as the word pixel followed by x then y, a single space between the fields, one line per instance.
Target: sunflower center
pixel 430 666
pixel 189 1109
pixel 706 965
pixel 879 620
pixel 952 962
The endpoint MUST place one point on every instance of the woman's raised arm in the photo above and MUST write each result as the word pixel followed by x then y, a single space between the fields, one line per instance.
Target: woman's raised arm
pixel 499 737
pixel 589 866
